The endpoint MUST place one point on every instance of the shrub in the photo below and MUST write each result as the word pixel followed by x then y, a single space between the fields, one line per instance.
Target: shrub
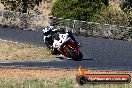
pixel 77 9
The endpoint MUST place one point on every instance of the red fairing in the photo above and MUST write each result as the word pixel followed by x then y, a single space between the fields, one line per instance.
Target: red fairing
pixel 69 44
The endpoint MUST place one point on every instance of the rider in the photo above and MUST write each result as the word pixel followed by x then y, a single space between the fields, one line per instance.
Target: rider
pixel 50 32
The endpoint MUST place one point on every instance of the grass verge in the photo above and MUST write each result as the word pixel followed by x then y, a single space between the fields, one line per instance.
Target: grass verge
pixel 36 83
pixel 61 83
pixel 28 78
pixel 15 51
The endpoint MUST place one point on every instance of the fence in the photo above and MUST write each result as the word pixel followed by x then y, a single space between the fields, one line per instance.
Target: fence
pixel 36 21
pixel 96 29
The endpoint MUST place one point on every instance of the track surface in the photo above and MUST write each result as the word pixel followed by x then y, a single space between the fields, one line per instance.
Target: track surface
pixel 98 53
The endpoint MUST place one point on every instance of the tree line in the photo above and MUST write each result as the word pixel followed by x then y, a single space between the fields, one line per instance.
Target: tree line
pixel 87 10
pixel 93 10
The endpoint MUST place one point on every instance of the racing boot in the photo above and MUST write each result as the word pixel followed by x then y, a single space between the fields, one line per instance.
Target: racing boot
pixel 53 51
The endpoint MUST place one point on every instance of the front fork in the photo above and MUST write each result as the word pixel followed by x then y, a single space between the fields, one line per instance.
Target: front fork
pixel 71 45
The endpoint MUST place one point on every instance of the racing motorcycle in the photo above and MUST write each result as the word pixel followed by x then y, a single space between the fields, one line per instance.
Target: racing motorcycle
pixel 66 46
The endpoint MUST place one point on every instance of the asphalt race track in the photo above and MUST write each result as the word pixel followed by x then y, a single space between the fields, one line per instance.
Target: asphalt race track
pixel 98 53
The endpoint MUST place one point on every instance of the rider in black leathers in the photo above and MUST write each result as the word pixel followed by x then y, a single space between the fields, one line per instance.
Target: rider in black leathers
pixel 54 33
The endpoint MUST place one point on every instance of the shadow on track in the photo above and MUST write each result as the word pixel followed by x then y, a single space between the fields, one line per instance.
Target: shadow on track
pixel 59 57
pixel 88 59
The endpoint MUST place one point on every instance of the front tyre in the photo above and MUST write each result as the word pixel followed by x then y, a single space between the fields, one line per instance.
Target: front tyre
pixel 72 54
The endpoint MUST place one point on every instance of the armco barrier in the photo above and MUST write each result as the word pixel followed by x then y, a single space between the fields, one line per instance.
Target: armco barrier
pixel 96 29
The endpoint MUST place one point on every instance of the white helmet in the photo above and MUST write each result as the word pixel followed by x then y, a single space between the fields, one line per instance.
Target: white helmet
pixel 46 31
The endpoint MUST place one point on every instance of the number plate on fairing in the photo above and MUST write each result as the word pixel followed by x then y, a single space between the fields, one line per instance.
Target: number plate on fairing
pixel 63 38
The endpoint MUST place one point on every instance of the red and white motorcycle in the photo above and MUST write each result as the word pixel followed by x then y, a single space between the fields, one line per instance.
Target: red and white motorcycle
pixel 66 46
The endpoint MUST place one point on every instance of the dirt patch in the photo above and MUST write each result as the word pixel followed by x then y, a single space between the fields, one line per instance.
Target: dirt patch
pixel 31 22
pixel 19 74
pixel 15 51
pixel 1 6
pixel 45 8
pixel 115 5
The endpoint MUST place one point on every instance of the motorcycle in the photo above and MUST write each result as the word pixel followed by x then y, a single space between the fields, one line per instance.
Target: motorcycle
pixel 66 46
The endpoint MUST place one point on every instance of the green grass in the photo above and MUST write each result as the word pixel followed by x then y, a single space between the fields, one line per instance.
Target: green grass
pixel 61 83
pixel 35 83
pixel 106 86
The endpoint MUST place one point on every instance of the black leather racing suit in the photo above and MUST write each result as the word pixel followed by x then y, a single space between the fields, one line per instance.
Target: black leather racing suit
pixel 55 34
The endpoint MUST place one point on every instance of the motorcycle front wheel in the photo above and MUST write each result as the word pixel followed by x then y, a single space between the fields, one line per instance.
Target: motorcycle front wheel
pixel 72 54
